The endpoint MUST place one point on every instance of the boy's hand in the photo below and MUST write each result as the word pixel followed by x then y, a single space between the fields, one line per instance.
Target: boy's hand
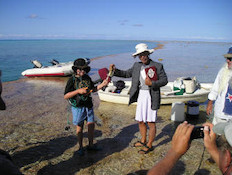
pixel 105 82
pixel 82 90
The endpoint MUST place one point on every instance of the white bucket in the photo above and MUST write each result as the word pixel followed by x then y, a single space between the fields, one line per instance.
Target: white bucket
pixel 193 108
pixel 190 86
pixel 110 89
pixel 178 113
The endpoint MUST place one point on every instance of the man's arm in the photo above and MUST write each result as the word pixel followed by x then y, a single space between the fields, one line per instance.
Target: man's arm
pixel 180 145
pixel 209 107
pixel 121 73
pixel 210 142
pixel 103 84
pixel 166 164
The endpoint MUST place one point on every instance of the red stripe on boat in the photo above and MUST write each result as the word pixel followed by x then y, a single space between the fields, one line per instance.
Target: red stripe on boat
pixel 45 75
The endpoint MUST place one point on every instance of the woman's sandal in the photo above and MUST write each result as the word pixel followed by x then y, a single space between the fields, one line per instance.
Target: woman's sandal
pixel 139 144
pixel 142 151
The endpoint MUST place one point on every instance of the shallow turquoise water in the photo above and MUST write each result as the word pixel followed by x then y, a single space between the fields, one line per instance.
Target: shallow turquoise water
pixel 180 59
pixel 15 55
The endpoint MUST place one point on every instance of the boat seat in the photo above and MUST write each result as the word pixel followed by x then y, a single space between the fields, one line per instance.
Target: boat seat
pixel 54 62
pixel 37 64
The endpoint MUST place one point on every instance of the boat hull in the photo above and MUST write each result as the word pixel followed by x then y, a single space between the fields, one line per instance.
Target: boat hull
pixel 62 69
pixel 200 95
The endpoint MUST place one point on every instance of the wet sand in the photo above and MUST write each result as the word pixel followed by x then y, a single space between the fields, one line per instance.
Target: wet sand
pixel 33 132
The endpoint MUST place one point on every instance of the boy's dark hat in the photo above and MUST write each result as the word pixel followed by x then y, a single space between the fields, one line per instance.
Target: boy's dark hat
pixel 229 54
pixel 81 63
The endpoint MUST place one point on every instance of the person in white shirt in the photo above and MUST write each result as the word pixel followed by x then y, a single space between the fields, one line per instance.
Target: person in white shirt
pixel 221 93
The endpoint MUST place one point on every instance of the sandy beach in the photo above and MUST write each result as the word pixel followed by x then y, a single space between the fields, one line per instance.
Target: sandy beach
pixel 33 132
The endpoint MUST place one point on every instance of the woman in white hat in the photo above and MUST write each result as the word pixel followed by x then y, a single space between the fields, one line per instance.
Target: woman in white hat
pixel 147 78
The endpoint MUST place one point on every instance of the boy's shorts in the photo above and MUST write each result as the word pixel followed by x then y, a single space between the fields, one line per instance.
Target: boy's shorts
pixel 80 114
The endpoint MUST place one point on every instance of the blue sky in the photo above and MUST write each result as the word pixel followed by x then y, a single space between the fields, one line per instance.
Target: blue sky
pixel 209 20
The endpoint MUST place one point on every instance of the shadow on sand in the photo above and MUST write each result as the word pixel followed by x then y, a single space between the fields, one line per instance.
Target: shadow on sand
pixel 108 145
pixel 45 151
pixel 56 147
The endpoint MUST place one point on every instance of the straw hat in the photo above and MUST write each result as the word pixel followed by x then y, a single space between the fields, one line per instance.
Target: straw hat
pixel 229 54
pixel 81 63
pixel 140 48
pixel 224 128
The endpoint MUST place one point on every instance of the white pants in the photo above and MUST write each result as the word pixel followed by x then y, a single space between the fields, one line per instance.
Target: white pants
pixel 219 120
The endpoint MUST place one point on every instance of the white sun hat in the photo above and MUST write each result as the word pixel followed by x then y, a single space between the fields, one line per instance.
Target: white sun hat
pixel 140 48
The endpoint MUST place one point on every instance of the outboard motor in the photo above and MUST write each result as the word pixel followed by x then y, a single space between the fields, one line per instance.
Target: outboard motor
pixel 54 62
pixel 36 63
pixel 87 60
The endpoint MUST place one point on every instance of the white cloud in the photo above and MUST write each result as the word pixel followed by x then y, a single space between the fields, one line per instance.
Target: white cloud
pixel 33 16
pixel 138 25
pixel 123 22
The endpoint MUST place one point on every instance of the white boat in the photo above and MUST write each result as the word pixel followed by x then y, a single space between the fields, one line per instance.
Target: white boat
pixel 167 94
pixel 57 69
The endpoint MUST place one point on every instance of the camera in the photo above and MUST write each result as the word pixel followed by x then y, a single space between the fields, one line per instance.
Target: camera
pixel 198 132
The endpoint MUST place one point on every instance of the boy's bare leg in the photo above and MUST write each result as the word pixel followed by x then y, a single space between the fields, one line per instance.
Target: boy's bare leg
pixel 80 136
pixel 91 127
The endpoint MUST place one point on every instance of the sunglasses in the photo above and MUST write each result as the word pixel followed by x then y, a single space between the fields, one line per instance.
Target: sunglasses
pixel 144 54
pixel 229 59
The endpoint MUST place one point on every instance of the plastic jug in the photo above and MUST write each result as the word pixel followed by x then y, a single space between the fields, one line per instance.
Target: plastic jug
pixel 178 112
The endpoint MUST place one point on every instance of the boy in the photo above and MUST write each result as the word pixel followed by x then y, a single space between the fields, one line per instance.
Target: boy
pixel 77 91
